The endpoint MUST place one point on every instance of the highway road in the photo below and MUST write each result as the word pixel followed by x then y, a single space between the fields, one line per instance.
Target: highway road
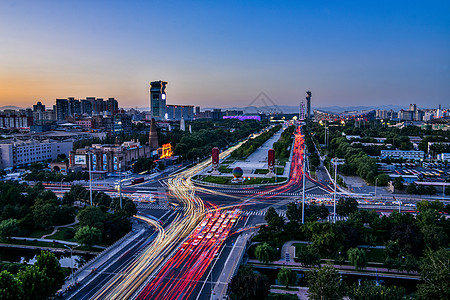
pixel 176 261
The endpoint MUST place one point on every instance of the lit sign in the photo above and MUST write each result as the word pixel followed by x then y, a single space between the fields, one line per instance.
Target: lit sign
pixel 242 118
pixel 80 159
pixel 166 151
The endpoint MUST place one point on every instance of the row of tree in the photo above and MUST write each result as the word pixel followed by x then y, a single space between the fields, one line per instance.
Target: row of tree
pixel 252 144
pixel 283 145
pixel 405 236
pixel 39 281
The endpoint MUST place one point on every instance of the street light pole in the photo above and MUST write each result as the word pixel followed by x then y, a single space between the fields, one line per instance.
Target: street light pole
pixel 336 162
pixel 376 179
pixel 120 184
pixel 71 259
pixel 61 183
pixel 90 176
pixel 334 201
pixel 303 198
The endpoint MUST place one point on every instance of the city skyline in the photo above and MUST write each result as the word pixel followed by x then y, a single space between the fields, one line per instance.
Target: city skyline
pixel 223 55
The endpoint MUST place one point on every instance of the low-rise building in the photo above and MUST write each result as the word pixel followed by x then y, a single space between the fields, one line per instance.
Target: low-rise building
pixel 444 156
pixel 18 153
pixel 405 154
pixel 109 157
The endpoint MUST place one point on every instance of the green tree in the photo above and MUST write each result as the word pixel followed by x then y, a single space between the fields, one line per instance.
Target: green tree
pixel 128 206
pixel 398 183
pixel 325 284
pixel 44 213
pixel 91 216
pixel 411 188
pixel 345 207
pixel 248 285
pixel 47 263
pixel 294 213
pixel 308 257
pixel 286 277
pixel 10 286
pixel 264 253
pixel 8 228
pixel 357 258
pixel 383 179
pixel 368 290
pixel 435 275
pixel 270 213
pixel 434 237
pixel 35 284
pixel 88 236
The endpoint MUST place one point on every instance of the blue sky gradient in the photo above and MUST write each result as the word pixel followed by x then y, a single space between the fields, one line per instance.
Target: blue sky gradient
pixel 224 53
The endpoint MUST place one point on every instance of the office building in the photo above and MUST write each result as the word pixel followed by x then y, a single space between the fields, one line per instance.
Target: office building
pixel 308 105
pixel 18 153
pixel 158 99
pixel 122 124
pixel 108 158
pixel 176 112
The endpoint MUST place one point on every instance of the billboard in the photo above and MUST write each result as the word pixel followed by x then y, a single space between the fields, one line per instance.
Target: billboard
pixel 166 151
pixel 80 159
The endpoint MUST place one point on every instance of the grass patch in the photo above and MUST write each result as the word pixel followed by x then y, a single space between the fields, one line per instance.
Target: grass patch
pixel 261 171
pixel 284 288
pixel 64 233
pixel 279 171
pixel 254 180
pixel 224 169
pixel 39 233
pixel 217 179
pixel 261 180
pixel 375 255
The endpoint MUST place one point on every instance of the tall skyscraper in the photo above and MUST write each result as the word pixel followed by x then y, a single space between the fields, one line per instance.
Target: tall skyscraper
pixel 301 115
pixel 308 105
pixel 62 109
pixel 158 99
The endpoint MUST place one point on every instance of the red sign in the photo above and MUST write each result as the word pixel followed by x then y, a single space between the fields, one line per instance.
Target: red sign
pixel 215 155
pixel 271 158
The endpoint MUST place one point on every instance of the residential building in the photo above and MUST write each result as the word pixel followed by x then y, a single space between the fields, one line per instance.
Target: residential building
pixel 13 121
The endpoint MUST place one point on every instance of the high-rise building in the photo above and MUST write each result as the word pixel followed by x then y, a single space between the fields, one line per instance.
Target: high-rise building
pixel 301 114
pixel 74 106
pixel 176 112
pixel 308 105
pixel 158 99
pixel 86 107
pixel 112 106
pixel 38 107
pixel 62 109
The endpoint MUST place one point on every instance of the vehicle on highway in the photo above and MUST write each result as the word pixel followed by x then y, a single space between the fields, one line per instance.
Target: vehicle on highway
pixel 137 180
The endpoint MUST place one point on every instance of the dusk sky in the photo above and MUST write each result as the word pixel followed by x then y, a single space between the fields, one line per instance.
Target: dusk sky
pixel 224 54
